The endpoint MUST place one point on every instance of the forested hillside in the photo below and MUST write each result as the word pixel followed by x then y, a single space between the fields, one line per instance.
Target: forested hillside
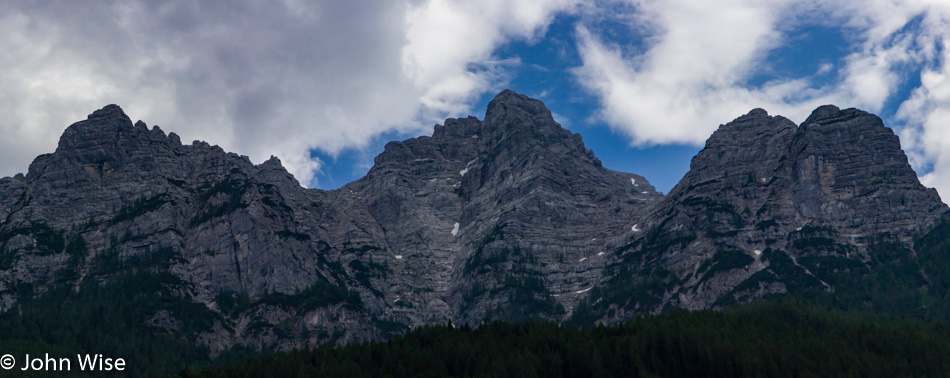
pixel 781 338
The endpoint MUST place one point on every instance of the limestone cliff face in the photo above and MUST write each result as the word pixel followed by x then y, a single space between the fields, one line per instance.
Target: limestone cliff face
pixel 770 207
pixel 501 218
pixel 117 198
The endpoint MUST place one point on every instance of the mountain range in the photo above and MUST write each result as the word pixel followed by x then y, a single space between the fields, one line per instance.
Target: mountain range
pixel 509 217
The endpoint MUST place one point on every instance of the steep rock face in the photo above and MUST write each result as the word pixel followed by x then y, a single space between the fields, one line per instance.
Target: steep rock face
pixel 541 212
pixel 768 207
pixel 851 173
pixel 117 198
pixel 501 218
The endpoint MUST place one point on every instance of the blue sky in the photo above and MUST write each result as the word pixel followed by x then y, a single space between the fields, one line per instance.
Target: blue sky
pixel 324 84
pixel 544 72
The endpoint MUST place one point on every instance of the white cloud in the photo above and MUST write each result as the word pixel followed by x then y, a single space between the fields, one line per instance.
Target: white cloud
pixel 445 38
pixel 691 78
pixel 294 76
pixel 257 78
pixel 926 113
pixel 692 75
pixel 825 68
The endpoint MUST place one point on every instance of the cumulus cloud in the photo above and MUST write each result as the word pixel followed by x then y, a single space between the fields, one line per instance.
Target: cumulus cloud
pixel 290 77
pixel 692 77
pixel 694 72
pixel 259 78
pixel 450 44
pixel 926 113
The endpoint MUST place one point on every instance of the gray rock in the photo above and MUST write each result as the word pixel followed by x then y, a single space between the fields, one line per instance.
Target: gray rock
pixel 497 219
pixel 764 202
pixel 483 220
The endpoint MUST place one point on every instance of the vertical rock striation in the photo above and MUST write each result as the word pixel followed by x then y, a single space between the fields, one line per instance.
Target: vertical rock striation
pixel 770 207
pixel 502 218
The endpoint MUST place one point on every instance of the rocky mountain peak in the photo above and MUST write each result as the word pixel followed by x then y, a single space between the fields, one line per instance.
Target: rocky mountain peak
pixel 839 166
pixel 97 139
pixel 773 207
pixel 517 126
pixel 510 217
pixel 850 169
pixel 756 113
pixel 513 198
pixel 821 112
pixel 102 124
pixel 516 106
pixel 750 145
pixel 745 126
pixel 109 111
pixel 273 162
pixel 752 129
pixel 517 129
pixel 514 120
pixel 96 142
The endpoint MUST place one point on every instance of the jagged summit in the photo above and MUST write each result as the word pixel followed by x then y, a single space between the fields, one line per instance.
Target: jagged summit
pixel 496 191
pixel 757 112
pixel 516 106
pixel 447 227
pixel 502 218
pixel 509 109
pixel 109 111
pixel 821 112
pixel 109 126
pixel 768 207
